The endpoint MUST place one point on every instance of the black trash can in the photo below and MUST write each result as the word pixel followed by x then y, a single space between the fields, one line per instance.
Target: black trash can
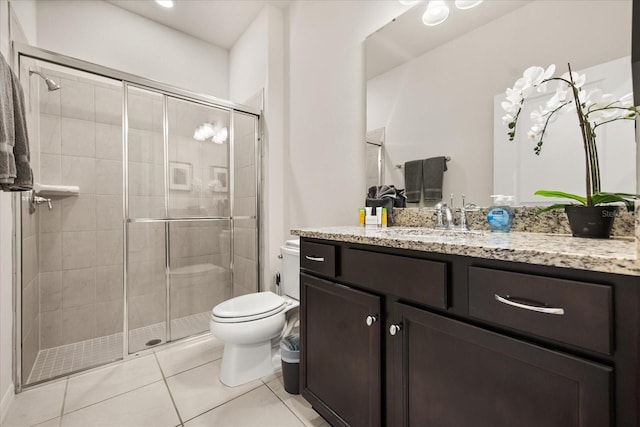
pixel 290 356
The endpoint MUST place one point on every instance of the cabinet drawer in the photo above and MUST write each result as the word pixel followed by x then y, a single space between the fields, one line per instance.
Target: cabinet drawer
pixel 413 279
pixel 568 311
pixel 319 258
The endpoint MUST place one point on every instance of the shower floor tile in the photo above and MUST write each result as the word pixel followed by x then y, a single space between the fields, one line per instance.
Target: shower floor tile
pixel 58 361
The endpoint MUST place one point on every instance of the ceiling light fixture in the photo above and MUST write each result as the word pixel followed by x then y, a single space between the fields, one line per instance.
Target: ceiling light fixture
pixel 467 4
pixel 165 3
pixel 217 134
pixel 437 12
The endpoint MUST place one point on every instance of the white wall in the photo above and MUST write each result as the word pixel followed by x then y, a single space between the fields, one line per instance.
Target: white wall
pixel 107 35
pixel 25 13
pixel 256 62
pixel 325 159
pixel 441 103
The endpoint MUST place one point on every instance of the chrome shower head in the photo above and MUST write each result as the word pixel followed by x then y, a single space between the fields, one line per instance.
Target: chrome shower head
pixel 51 85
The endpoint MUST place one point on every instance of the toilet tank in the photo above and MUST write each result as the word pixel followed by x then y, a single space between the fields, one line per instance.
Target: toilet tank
pixel 290 274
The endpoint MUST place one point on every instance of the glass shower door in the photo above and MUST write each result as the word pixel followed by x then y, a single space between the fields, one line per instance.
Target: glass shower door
pixel 199 264
pixel 146 243
pixel 178 216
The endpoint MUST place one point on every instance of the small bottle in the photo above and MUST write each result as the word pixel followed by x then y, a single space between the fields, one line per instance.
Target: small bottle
pixel 383 220
pixel 370 220
pixel 361 217
pixel 500 215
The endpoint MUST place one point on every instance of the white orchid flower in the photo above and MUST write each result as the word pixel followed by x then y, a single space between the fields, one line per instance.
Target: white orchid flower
pixel 514 95
pixel 535 130
pixel 578 79
pixel 548 73
pixel 539 115
pixel 507 118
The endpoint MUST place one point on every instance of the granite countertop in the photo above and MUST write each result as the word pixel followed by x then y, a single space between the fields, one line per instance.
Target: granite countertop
pixel 615 255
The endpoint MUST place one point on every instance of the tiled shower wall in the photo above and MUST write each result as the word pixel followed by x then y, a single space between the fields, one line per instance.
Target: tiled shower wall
pixel 81 247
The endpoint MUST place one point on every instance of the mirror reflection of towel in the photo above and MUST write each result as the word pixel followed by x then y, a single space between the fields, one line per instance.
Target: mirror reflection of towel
pixel 432 177
pixel 413 180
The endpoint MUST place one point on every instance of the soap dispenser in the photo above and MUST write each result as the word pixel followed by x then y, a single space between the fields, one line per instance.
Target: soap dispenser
pixel 500 215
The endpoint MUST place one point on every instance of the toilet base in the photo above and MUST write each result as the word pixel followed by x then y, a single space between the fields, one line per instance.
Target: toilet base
pixel 243 363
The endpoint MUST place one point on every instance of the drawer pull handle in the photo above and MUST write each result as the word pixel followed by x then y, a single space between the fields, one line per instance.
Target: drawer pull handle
pixel 314 258
pixel 370 320
pixel 394 329
pixel 546 310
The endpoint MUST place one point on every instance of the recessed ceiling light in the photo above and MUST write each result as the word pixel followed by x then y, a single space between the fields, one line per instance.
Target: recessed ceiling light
pixel 165 3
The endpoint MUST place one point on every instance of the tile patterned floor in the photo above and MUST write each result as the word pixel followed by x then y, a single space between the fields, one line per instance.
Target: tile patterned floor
pixel 63 360
pixel 173 386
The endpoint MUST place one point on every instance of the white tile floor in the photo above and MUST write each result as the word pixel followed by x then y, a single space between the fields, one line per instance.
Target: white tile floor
pixel 173 386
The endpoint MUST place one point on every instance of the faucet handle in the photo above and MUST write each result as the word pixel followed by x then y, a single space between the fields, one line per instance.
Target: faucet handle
pixel 438 208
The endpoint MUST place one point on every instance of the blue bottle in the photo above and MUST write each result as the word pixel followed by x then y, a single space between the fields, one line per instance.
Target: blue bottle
pixel 500 215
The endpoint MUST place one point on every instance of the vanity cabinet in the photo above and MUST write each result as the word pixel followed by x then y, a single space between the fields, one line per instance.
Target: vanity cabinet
pixel 341 371
pixel 408 338
pixel 450 373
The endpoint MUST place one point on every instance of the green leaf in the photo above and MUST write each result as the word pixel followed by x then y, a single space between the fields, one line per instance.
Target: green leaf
pixel 604 198
pixel 552 207
pixel 561 195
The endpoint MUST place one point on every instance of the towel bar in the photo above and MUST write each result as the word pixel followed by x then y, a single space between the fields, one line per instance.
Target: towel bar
pixel 448 158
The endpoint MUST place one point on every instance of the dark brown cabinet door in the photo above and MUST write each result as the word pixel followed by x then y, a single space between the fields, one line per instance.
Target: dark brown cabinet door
pixel 451 374
pixel 340 352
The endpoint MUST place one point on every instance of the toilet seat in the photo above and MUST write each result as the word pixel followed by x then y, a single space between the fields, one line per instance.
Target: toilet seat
pixel 248 307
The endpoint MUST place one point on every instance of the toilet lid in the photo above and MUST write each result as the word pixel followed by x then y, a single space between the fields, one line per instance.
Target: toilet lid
pixel 249 305
pixel 294 243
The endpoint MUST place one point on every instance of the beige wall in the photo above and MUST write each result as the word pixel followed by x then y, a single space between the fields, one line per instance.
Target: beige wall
pixel 325 157
pixel 256 64
pixel 134 44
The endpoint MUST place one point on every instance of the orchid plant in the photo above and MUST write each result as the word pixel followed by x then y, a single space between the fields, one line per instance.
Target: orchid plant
pixel 593 109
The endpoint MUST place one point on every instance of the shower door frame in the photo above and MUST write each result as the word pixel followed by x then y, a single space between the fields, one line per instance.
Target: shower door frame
pixel 131 80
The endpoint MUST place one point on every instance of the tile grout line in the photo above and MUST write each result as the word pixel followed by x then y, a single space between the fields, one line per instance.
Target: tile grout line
pixel 228 401
pixel 111 397
pixel 164 379
pixel 285 403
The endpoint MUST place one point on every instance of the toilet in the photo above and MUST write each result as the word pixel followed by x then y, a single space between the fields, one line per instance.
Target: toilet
pixel 252 325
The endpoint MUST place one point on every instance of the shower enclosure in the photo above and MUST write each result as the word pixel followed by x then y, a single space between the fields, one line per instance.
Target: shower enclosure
pixel 144 214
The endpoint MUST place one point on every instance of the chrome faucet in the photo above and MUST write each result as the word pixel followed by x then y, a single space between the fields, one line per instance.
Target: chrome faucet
pixel 445 218
pixel 443 213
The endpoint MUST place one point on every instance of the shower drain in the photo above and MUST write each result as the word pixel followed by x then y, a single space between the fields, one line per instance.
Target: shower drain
pixel 153 342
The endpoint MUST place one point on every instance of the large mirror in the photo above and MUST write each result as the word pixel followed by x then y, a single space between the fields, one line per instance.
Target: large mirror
pixel 433 88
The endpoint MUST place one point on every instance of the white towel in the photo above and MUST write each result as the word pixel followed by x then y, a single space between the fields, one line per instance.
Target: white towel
pixel 15 170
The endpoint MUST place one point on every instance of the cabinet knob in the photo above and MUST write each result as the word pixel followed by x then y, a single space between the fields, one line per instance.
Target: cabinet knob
pixel 371 319
pixel 394 329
